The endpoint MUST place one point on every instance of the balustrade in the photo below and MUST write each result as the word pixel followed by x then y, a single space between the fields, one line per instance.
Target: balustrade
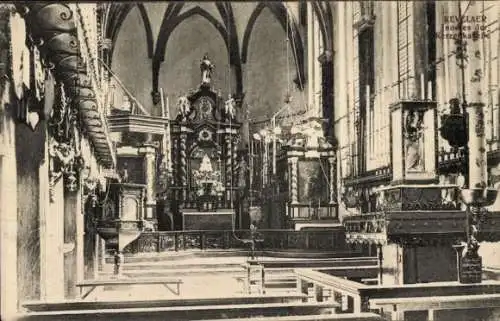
pixel 321 240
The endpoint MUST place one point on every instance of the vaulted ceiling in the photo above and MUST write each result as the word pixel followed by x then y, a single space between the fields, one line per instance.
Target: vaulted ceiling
pixel 234 22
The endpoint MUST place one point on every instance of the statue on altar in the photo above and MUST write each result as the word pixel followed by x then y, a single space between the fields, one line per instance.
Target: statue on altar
pixel 207 69
pixel 207 180
pixel 184 107
pixel 229 108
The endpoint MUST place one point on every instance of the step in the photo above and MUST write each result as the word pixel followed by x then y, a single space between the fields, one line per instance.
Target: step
pixel 173 272
pixel 233 253
pixel 172 266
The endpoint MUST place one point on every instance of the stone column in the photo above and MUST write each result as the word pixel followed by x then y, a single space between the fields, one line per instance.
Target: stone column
pixel 475 105
pixel 149 152
pixel 8 217
pixel 310 54
pixel 97 255
pixel 52 241
pixel 471 262
pixel 326 62
pixel 395 52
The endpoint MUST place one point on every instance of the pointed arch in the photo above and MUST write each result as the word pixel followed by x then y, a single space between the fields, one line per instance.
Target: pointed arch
pixel 147 27
pixel 280 11
pixel 117 13
pixel 173 10
pixel 226 12
pixel 322 11
pixel 172 23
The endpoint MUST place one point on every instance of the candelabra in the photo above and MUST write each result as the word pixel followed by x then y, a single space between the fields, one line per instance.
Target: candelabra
pixel 467 130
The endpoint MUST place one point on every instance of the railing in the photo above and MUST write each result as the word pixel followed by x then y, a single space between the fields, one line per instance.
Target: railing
pixel 320 240
pixel 355 297
pixel 327 287
pixel 306 212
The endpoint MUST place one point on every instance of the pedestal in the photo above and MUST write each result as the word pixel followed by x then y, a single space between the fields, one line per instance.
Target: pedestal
pixel 471 269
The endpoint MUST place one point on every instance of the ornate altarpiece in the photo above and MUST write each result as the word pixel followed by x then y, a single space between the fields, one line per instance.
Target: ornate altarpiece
pixel 205 137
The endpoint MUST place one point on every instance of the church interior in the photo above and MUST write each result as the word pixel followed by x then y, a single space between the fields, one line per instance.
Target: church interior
pixel 323 160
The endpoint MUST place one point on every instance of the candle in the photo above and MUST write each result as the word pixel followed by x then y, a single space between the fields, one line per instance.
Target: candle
pixel 162 99
pixel 367 97
pixel 422 86
pixel 429 90
pixel 168 110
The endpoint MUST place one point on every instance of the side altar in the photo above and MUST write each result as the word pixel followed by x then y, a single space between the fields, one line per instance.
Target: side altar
pixel 205 137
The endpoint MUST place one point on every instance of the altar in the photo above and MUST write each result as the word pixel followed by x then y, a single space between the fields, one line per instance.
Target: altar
pixel 205 137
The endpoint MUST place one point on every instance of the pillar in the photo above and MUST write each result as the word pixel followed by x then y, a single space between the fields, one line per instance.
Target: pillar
pixel 478 170
pixel 149 152
pixel 80 239
pixel 52 244
pixel 8 217
pixel 73 242
pixel 97 255
pixel 326 61
pixel 310 55
pixel 380 259
pixel 475 105
pixel 394 51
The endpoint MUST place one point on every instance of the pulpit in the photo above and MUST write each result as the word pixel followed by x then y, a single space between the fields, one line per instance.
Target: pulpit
pixel 205 136
pixel 122 219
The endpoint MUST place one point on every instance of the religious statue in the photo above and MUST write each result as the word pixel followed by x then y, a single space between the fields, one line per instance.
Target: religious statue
pixel 413 135
pixel 207 69
pixel 313 133
pixel 156 96
pixel 184 107
pixel 229 109
pixel 242 172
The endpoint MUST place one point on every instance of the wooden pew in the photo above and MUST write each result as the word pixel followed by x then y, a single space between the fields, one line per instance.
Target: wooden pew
pixel 318 263
pixel 79 304
pixel 319 317
pixel 93 284
pixel 398 306
pixel 352 267
pixel 184 313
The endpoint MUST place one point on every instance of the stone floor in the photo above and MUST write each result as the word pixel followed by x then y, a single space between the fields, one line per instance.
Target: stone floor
pixel 214 277
pixel 193 287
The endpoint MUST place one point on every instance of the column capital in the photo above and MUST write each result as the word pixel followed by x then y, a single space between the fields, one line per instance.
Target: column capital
pixel 325 57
